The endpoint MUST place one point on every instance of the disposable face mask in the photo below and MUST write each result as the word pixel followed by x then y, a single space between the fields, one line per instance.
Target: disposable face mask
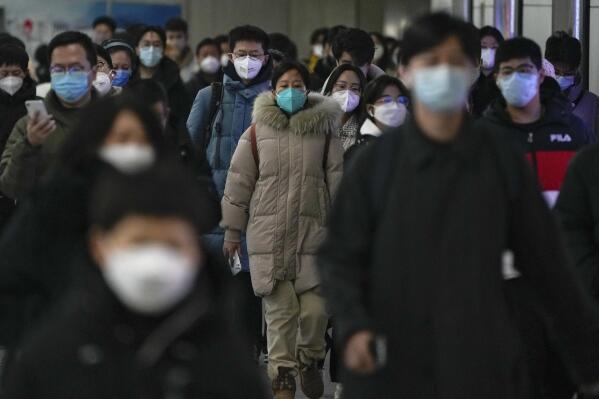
pixel 291 100
pixel 72 86
pixel 378 52
pixel 178 44
pixel 442 88
pixel 347 99
pixel 565 82
pixel 487 56
pixel 390 114
pixel 318 50
pixel 519 89
pixel 150 56
pixel 210 65
pixel 121 77
pixel 102 84
pixel 11 84
pixel 149 279
pixel 224 60
pixel 247 67
pixel 128 158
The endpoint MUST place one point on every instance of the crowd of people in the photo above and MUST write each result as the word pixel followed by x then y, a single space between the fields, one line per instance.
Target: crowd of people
pixel 426 210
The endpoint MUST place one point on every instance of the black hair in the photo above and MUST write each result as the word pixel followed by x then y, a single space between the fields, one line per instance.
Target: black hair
pixel 563 48
pixel 491 31
pixel 176 24
pixel 8 39
pixel 207 42
pixel 221 39
pixel 150 91
pixel 286 66
pixel 13 55
pixel 250 33
pixel 357 43
pixel 519 47
pixel 385 62
pixel 105 20
pixel 430 30
pixel 166 190
pixel 156 29
pixel 101 52
pixel 95 122
pixel 286 46
pixel 73 37
pixel 375 88
pixel 42 70
pixel 317 33
pixel 333 32
pixel 334 76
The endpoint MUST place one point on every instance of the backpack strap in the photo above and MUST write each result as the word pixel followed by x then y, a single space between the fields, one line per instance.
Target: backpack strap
pixel 215 102
pixel 254 143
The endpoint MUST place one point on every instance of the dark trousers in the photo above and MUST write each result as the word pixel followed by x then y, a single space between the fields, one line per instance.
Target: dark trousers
pixel 247 312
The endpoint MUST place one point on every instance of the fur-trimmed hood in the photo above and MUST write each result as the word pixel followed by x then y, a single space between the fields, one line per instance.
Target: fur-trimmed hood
pixel 320 115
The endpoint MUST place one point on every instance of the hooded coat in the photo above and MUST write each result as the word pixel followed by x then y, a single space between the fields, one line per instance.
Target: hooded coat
pixel 283 203
pixel 585 105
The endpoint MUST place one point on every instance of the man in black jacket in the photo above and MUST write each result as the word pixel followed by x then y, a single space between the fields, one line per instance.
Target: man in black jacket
pixel 423 223
pixel 151 322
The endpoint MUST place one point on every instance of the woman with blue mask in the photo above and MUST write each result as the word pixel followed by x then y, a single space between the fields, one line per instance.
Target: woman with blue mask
pixel 153 64
pixel 123 61
pixel 282 178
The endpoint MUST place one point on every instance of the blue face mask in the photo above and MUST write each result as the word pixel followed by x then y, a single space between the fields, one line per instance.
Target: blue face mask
pixel 72 86
pixel 150 56
pixel 122 77
pixel 565 82
pixel 442 88
pixel 291 100
pixel 519 88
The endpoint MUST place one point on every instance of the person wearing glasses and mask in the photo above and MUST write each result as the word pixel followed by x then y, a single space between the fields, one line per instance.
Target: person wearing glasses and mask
pixel 154 64
pixel 282 179
pixel 122 57
pixel 346 85
pixel 34 142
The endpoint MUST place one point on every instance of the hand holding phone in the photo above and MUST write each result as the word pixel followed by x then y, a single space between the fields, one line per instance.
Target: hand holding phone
pixel 40 125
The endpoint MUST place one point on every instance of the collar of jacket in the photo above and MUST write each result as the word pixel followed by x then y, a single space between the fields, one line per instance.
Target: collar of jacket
pixel 61 114
pixel 26 92
pixel 234 82
pixel 167 73
pixel 575 92
pixel 421 150
pixel 320 115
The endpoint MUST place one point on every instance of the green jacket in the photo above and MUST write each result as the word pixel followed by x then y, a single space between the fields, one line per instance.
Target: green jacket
pixel 22 165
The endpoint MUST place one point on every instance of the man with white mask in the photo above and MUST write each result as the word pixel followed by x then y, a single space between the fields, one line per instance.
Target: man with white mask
pixel 208 55
pixel 425 216
pixel 220 114
pixel 485 89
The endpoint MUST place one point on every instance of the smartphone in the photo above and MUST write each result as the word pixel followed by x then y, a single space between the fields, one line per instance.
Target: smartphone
pixel 36 107
pixel 378 348
pixel 235 264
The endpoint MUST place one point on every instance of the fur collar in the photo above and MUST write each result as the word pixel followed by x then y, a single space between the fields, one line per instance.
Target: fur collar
pixel 321 115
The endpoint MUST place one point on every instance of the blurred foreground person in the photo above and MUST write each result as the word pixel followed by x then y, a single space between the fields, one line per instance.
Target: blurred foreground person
pixel 423 223
pixel 152 323
pixel 283 174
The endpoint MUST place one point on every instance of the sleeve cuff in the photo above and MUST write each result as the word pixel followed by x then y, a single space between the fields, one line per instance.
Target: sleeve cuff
pixel 232 235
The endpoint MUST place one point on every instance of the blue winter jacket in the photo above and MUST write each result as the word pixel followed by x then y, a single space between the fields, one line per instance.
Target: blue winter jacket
pixel 231 121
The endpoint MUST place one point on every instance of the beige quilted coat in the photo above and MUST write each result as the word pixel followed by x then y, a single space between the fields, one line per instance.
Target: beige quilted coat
pixel 283 207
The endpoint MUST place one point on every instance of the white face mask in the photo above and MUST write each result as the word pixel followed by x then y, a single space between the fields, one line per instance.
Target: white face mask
pixel 390 114
pixel 487 56
pixel 128 158
pixel 224 60
pixel 347 99
pixel 318 50
pixel 247 67
pixel 149 278
pixel 11 84
pixel 210 65
pixel 102 84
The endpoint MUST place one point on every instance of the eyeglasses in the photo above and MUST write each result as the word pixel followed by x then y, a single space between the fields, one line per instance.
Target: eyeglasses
pixel 243 54
pixel 388 100
pixel 59 70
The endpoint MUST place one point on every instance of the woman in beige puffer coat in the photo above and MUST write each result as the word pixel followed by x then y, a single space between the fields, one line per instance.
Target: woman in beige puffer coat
pixel 282 177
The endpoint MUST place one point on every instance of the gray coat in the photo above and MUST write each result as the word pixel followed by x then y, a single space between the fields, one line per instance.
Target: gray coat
pixel 586 106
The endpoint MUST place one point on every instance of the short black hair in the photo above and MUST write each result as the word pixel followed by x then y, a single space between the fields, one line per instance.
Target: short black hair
pixel 150 91
pixel 250 33
pixel 375 88
pixel 156 29
pixel 286 66
pixel 12 55
pixel 491 31
pixel 101 52
pixel 334 76
pixel 176 24
pixel 220 39
pixel 73 37
pixel 333 32
pixel 105 20
pixel 317 33
pixel 561 47
pixel 166 190
pixel 519 47
pixel 430 30
pixel 357 43
pixel 281 42
pixel 8 39
pixel 207 42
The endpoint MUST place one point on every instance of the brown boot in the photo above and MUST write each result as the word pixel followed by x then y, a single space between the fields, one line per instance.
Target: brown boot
pixel 311 380
pixel 283 386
